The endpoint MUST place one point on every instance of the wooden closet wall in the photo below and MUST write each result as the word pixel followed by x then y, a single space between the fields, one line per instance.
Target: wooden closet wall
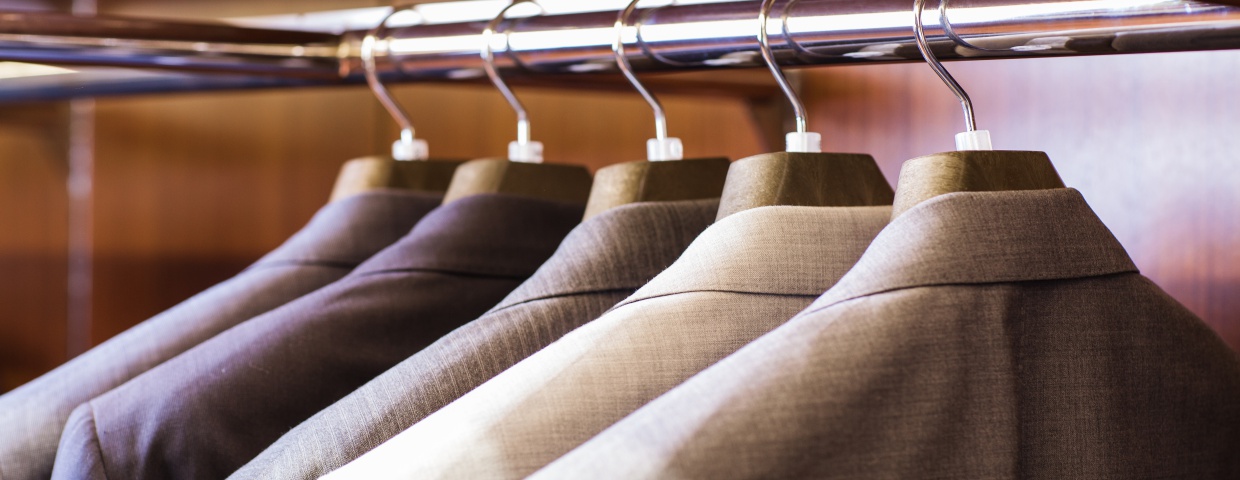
pixel 190 188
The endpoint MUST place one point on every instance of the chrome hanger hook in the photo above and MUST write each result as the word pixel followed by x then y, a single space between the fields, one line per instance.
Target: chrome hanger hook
pixel 950 31
pixel 407 147
pixel 617 47
pixel 971 138
pixel 919 29
pixel 800 49
pixel 652 53
pixel 802 140
pixel 764 44
pixel 488 60
pixel 661 147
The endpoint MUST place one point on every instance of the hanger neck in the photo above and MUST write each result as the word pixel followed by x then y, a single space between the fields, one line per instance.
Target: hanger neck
pixel 927 177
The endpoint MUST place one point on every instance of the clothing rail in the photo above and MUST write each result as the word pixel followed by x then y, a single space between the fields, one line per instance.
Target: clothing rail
pixel 676 37
pixel 128 42
pixel 818 32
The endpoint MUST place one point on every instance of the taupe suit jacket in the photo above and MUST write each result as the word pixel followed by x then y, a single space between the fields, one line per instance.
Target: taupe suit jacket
pixel 983 335
pixel 741 278
pixel 603 261
pixel 210 410
pixel 341 236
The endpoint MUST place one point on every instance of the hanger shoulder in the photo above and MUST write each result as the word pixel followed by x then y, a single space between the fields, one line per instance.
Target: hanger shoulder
pixel 565 183
pixel 644 181
pixel 372 173
pixel 804 179
pixel 361 175
pixel 926 177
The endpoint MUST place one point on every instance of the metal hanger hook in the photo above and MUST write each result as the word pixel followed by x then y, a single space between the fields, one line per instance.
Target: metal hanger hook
pixel 764 44
pixel 381 92
pixel 622 60
pixel 488 61
pixel 919 29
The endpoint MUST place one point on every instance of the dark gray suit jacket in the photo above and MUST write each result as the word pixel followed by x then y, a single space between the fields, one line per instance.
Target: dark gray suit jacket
pixel 602 262
pixel 982 335
pixel 341 236
pixel 208 411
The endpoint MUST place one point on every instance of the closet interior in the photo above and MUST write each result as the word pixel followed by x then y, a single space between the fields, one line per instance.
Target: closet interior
pixel 619 238
pixel 152 149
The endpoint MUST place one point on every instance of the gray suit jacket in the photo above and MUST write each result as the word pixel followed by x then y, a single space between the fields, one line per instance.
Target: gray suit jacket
pixel 601 262
pixel 983 335
pixel 744 276
pixel 211 409
pixel 341 236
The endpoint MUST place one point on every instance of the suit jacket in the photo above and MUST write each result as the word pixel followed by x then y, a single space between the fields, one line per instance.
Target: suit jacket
pixel 213 408
pixel 338 238
pixel 601 262
pixel 983 335
pixel 741 278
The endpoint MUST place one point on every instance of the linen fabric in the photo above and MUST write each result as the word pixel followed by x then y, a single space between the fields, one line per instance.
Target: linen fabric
pixel 339 237
pixel 208 411
pixel 983 335
pixel 741 278
pixel 599 264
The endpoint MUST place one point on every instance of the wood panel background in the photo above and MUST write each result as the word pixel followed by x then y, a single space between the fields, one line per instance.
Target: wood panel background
pixel 33 242
pixel 190 188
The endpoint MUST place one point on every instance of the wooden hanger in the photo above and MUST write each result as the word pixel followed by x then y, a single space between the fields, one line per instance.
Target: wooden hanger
pixel 523 172
pixel 378 172
pixel 565 183
pixel 408 167
pixel 664 176
pixel 975 167
pixel 801 176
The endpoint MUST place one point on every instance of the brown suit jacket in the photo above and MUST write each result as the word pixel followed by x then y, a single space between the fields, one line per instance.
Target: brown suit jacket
pixel 983 335
pixel 208 411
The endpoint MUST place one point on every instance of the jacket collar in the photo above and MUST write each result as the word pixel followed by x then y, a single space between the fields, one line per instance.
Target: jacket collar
pixel 349 231
pixel 986 237
pixel 494 235
pixel 772 250
pixel 621 249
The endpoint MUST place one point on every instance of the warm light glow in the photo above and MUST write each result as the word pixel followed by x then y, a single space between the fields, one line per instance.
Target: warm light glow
pixel 847 22
pixel 990 14
pixel 902 20
pixel 432 45
pixel 700 30
pixel 22 70
pixel 337 21
pixel 553 39
pixel 575 38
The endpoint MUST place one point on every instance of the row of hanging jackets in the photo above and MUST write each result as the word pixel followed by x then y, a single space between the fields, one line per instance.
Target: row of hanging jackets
pixel 788 315
pixel 986 334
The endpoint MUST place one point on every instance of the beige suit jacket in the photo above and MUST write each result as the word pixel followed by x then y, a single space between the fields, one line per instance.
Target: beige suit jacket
pixel 983 335
pixel 741 278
